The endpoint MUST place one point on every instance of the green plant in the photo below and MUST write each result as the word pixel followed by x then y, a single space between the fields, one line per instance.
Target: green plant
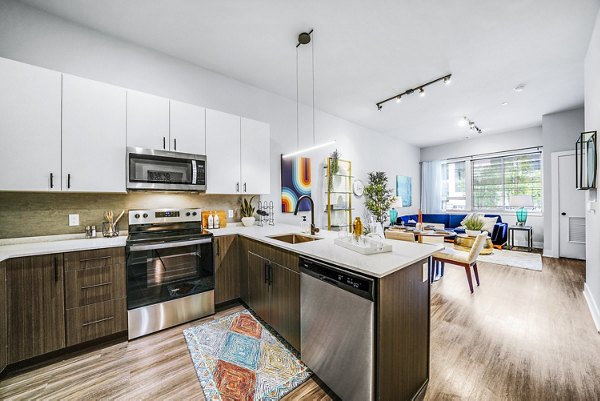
pixel 246 208
pixel 334 167
pixel 474 223
pixel 378 197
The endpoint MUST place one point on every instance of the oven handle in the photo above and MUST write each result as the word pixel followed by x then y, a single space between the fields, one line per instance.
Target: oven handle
pixel 134 248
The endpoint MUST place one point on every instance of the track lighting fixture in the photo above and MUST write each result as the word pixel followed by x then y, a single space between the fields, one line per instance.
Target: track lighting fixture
pixel 419 88
pixel 471 124
pixel 398 99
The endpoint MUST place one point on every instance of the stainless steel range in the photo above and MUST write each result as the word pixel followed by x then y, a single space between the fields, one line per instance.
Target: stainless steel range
pixel 170 271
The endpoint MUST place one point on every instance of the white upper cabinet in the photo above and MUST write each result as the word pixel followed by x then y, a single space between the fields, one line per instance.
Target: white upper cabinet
pixel 147 121
pixel 188 129
pixel 30 100
pixel 93 136
pixel 255 157
pixel 222 153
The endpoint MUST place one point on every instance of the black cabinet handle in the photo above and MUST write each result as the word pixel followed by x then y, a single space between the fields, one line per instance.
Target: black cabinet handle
pixel 218 248
pixel 563 213
pixel 237 187
pixel 51 180
pixel 69 181
pixel 266 268
pixel 270 274
pixel 244 187
pixel 164 143
pixel 174 143
pixel 55 265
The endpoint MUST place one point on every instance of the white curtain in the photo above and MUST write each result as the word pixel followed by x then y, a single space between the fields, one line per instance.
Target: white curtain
pixel 431 186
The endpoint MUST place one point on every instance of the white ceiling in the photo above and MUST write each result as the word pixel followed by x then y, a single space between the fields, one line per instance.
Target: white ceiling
pixel 366 51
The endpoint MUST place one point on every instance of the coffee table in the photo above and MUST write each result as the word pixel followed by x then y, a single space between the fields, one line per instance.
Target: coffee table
pixel 464 243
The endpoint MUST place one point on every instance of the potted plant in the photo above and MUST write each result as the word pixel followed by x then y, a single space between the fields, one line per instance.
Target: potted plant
pixel 334 166
pixel 247 212
pixel 378 197
pixel 473 226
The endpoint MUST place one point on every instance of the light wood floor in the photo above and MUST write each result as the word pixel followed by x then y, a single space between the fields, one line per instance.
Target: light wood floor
pixel 523 335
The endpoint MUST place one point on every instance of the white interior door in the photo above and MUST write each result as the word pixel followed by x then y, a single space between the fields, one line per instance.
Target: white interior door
pixel 93 136
pixel 30 127
pixel 188 128
pixel 222 153
pixel 147 121
pixel 572 211
pixel 255 154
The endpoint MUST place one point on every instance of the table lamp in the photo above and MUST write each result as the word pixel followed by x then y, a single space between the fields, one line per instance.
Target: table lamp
pixel 521 201
pixel 393 212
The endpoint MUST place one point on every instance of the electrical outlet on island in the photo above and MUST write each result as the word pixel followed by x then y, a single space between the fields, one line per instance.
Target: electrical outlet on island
pixel 230 214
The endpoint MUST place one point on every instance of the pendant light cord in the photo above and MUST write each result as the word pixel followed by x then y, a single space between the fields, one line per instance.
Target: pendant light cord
pixel 297 104
pixel 312 49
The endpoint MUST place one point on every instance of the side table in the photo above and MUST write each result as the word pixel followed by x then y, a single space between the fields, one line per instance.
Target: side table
pixel 511 236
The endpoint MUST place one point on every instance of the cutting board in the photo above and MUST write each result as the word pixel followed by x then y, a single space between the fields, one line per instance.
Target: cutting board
pixel 222 218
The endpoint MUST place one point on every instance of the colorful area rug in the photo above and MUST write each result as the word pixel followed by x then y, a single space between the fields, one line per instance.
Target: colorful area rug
pixel 237 358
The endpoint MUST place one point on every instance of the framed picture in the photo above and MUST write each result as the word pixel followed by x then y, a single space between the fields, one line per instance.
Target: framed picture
pixel 295 182
pixel 404 189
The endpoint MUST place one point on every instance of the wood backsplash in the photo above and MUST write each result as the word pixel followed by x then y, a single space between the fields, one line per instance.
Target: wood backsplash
pixel 26 214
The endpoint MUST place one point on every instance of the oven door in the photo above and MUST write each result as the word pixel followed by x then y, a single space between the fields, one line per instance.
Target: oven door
pixel 162 170
pixel 165 271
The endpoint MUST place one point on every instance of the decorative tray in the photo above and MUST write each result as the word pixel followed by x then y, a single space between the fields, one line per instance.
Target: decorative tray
pixel 366 247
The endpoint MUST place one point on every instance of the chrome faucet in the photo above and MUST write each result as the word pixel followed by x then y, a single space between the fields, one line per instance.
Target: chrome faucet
pixel 313 228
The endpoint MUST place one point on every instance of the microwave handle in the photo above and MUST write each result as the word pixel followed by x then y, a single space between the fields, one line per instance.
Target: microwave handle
pixel 165 245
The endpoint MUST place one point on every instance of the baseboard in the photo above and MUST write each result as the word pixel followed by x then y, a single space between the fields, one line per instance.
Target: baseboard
pixel 549 254
pixel 592 305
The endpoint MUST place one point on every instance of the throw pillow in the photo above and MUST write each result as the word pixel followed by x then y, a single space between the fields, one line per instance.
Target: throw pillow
pixel 488 223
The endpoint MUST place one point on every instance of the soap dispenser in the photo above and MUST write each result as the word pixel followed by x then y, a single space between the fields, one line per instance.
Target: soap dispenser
pixel 216 223
pixel 304 226
pixel 210 220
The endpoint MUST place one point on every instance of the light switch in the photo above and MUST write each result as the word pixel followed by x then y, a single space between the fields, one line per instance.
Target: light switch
pixel 73 220
pixel 230 214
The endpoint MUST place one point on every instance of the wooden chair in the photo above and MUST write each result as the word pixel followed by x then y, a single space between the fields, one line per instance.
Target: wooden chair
pixel 400 235
pixel 460 258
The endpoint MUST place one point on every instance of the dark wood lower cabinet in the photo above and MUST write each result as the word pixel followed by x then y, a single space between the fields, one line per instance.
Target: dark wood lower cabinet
pixel 95 321
pixel 258 297
pixel 285 303
pixel 35 305
pixel 227 268
pixel 3 319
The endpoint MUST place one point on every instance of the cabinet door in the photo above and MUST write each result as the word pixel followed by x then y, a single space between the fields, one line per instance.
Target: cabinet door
pixel 222 153
pixel 285 304
pixel 255 157
pixel 94 115
pixel 147 121
pixel 3 320
pixel 227 268
pixel 258 287
pixel 188 128
pixel 30 127
pixel 35 300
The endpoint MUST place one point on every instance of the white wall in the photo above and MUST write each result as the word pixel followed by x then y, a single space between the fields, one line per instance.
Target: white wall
pixel 592 123
pixel 560 132
pixel 35 37
pixel 524 138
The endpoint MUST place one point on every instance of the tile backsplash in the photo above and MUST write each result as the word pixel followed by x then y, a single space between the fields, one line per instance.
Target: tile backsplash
pixel 27 214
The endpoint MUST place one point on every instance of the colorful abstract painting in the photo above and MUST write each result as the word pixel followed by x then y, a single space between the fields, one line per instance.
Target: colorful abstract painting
pixel 404 189
pixel 295 182
pixel 237 358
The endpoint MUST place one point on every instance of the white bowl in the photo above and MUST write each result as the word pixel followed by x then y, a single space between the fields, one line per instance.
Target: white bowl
pixel 248 221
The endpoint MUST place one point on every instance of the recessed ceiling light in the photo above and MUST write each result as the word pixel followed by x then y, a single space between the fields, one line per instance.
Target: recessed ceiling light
pixel 504 104
pixel 520 88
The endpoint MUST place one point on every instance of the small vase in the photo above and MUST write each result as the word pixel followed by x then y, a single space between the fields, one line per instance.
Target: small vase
pixel 248 221
pixel 472 233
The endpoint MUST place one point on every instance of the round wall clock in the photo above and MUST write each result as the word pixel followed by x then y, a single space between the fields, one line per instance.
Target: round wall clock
pixel 358 188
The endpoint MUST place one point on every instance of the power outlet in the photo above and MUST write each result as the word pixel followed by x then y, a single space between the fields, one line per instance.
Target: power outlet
pixel 230 214
pixel 73 220
pixel 425 272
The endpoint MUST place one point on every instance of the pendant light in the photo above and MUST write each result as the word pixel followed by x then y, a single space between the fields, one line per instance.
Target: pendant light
pixel 303 39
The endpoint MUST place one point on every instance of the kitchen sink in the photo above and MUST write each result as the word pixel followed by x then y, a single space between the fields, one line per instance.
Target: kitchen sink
pixel 294 238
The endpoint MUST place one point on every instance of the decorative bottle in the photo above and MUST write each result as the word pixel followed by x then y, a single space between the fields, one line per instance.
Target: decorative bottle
pixel 210 220
pixel 216 223
pixel 357 228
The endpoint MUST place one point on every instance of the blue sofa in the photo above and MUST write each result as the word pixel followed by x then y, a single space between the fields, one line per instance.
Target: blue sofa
pixel 452 221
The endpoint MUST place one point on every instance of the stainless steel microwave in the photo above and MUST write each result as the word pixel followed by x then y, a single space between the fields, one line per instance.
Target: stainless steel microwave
pixel 149 169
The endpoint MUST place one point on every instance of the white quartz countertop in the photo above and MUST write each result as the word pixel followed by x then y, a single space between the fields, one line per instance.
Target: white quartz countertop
pixel 15 248
pixel 379 265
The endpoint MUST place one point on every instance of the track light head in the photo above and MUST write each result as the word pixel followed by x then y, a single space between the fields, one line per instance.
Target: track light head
pixel 448 80
pixel 398 99
pixel 421 92
pixel 379 107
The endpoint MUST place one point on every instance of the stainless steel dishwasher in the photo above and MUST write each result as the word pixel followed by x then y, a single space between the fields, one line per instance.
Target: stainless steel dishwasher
pixel 337 328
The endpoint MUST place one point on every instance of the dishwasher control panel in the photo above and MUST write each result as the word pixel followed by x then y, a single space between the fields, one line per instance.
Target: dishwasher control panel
pixel 334 275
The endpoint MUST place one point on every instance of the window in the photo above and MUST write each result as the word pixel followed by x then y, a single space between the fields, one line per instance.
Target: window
pixel 454 194
pixel 487 184
pixel 496 179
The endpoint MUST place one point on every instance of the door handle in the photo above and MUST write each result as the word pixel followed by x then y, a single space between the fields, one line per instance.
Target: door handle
pixel 270 274
pixel 218 248
pixel 51 180
pixel 563 213
pixel 266 271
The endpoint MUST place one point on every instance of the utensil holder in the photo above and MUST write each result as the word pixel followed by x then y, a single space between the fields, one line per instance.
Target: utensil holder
pixel 109 230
